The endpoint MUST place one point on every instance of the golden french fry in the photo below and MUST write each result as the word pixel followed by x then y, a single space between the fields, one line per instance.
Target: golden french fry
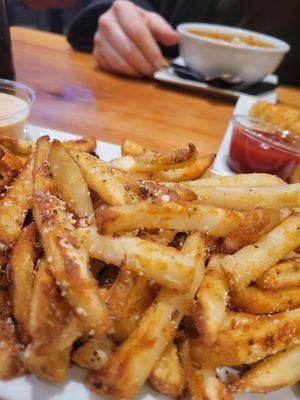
pixel 69 261
pixel 157 191
pixel 133 361
pixel 94 354
pixel 274 373
pixel 209 310
pixel 257 301
pixel 67 256
pixel 100 178
pixel 253 260
pixel 165 265
pixel 118 296
pixel 11 364
pixel 285 274
pixel 142 350
pixel 50 360
pixel 240 180
pixel 149 162
pixel 131 148
pixel 249 230
pixel 53 328
pixel 83 144
pixel 128 298
pixel 280 115
pixel 168 215
pixel 247 198
pixel 250 342
pixel 167 376
pixel 70 181
pixel 9 160
pixel 275 218
pixel 159 236
pixel 203 383
pixel 14 206
pixel 42 179
pixel 21 275
pixel 20 147
pixel 234 320
pixel 10 166
pixel 190 172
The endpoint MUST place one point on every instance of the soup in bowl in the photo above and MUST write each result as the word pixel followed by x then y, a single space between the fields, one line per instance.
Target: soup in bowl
pixel 216 49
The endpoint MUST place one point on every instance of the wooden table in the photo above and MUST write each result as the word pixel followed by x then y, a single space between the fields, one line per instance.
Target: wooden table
pixel 73 96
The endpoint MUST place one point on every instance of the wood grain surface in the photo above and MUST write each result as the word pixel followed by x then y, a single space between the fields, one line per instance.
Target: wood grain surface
pixel 73 96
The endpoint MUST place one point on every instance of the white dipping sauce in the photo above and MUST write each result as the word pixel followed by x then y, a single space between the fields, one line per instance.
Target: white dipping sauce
pixel 14 112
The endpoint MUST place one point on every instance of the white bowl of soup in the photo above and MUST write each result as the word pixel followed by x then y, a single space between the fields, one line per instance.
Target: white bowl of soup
pixel 16 101
pixel 216 49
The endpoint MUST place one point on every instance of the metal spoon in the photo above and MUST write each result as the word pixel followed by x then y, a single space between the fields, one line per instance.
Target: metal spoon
pixel 226 79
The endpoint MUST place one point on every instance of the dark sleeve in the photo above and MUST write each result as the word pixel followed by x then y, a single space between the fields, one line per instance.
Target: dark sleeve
pixel 82 29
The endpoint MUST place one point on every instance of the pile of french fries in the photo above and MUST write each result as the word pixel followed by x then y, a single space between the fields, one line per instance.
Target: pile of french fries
pixel 148 268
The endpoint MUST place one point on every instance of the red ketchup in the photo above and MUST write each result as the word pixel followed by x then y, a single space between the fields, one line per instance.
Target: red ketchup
pixel 260 147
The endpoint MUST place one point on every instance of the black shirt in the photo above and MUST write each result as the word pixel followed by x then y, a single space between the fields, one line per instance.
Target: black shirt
pixel 279 18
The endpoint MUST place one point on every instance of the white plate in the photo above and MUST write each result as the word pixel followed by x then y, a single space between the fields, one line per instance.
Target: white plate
pixel 106 151
pixel 30 388
pixel 243 107
pixel 168 76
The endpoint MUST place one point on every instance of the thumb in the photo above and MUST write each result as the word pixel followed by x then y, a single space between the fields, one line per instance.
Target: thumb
pixel 161 29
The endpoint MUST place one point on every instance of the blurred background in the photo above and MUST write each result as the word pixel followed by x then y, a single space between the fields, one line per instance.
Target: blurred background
pixel 50 15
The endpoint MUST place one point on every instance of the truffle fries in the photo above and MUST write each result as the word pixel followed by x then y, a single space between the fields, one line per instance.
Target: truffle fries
pixel 247 198
pixel 95 353
pixel 23 148
pixel 69 179
pixel 251 261
pixel 192 171
pixel 165 265
pixel 53 328
pixel 168 375
pixel 99 178
pixel 177 274
pixel 270 374
pixel 209 310
pixel 285 274
pixel 11 364
pixel 202 382
pixel 14 206
pixel 21 274
pixel 240 180
pixel 257 301
pixel 67 255
pixel 251 341
pixel 133 361
pixel 150 162
pixel 283 116
pixel 168 215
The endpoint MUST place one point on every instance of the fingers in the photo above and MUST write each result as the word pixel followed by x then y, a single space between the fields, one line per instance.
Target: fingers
pixel 134 26
pixel 125 48
pixel 126 40
pixel 161 30
pixel 109 60
pixel 96 53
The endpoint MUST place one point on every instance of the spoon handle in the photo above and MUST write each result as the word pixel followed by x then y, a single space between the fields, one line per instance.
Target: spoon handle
pixel 186 72
pixel 182 69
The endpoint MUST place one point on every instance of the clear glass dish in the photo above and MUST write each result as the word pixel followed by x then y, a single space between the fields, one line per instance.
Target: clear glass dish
pixel 261 147
pixel 16 101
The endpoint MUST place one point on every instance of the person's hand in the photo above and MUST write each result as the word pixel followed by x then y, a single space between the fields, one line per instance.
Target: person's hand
pixel 126 40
